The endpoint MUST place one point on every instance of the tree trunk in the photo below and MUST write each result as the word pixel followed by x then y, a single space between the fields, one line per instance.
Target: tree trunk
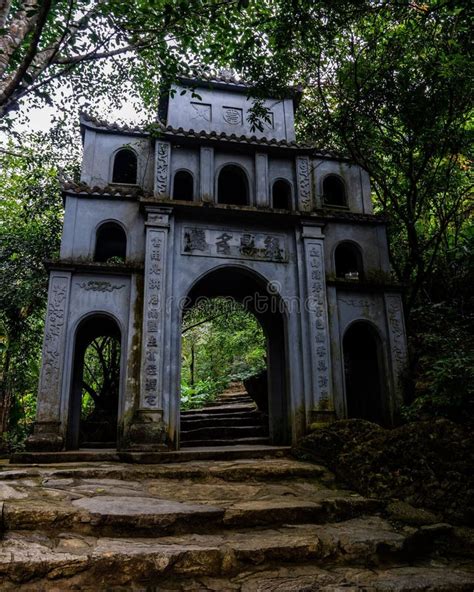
pixel 5 397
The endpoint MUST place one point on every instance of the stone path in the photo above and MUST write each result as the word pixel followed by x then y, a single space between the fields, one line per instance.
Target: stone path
pixel 249 525
pixel 232 419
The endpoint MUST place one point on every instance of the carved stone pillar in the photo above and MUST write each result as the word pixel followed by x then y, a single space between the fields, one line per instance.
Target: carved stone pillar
pixel 48 434
pixel 206 174
pixel 148 431
pixel 316 305
pixel 261 181
pixel 398 347
pixel 162 169
pixel 304 184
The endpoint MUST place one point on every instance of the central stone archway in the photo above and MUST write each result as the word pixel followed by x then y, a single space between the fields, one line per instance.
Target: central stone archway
pixel 260 298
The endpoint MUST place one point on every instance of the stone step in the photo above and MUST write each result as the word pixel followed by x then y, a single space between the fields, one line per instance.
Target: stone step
pixel 122 511
pixel 36 560
pixel 237 409
pixel 257 441
pixel 99 445
pixel 262 469
pixel 232 401
pixel 210 421
pixel 204 452
pixel 223 432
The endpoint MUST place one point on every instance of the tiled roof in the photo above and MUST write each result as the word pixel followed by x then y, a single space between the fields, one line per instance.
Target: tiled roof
pixel 95 123
pixel 172 132
pixel 108 191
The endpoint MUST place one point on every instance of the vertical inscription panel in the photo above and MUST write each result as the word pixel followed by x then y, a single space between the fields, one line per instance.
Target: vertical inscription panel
pixel 303 177
pixel 49 393
pixel 153 316
pixel 397 340
pixel 317 309
pixel 162 169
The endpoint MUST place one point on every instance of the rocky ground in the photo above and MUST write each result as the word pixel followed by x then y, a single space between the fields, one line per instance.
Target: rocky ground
pixel 266 524
pixel 429 464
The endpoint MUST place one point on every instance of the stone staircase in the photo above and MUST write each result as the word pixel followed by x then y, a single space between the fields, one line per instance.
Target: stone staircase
pixel 232 419
pixel 249 525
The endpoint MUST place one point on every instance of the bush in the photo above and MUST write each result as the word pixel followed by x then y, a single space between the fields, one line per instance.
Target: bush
pixel 442 347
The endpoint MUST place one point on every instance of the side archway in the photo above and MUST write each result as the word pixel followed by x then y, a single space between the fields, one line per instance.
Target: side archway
pixel 95 388
pixel 348 262
pixel 232 186
pixel 110 242
pixel 364 373
pixel 183 186
pixel 281 194
pixel 334 191
pixel 125 167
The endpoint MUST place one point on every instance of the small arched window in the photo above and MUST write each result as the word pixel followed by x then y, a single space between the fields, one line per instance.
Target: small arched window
pixel 232 186
pixel 348 260
pixel 281 195
pixel 111 242
pixel 125 167
pixel 183 186
pixel 334 191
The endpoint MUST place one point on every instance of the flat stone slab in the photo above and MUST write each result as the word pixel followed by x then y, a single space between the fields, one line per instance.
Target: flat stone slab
pixel 141 511
pixel 28 557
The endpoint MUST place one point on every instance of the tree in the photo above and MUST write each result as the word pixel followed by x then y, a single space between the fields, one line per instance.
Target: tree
pixel 221 342
pixel 30 228
pixel 390 85
pixel 114 49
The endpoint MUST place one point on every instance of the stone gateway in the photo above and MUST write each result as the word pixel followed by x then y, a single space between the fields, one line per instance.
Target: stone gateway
pixel 202 207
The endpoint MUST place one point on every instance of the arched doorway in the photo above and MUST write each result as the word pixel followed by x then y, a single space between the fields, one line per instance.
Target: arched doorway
pixel 256 297
pixel 363 373
pixel 96 384
pixel 232 186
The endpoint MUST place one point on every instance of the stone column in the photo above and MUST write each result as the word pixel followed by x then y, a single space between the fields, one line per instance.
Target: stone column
pixel 304 184
pixel 162 169
pixel 316 305
pixel 261 181
pixel 148 431
pixel 206 174
pixel 398 347
pixel 48 433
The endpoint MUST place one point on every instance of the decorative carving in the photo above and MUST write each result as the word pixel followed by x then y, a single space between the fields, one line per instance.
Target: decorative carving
pixel 201 111
pixel 357 302
pixel 304 183
pixel 100 286
pixel 195 240
pixel 162 167
pixel 397 331
pixel 222 243
pixel 232 115
pixel 247 244
pixel 209 242
pixel 53 337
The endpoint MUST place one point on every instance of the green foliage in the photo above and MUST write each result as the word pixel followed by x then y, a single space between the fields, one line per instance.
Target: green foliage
pixel 30 226
pixel 443 357
pixel 202 393
pixel 221 342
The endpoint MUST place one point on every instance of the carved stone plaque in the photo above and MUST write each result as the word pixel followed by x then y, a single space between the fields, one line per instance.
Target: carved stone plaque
pixel 232 115
pixel 201 111
pixel 231 244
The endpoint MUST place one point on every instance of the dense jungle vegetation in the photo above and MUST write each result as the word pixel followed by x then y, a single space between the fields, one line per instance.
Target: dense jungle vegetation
pixel 387 83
